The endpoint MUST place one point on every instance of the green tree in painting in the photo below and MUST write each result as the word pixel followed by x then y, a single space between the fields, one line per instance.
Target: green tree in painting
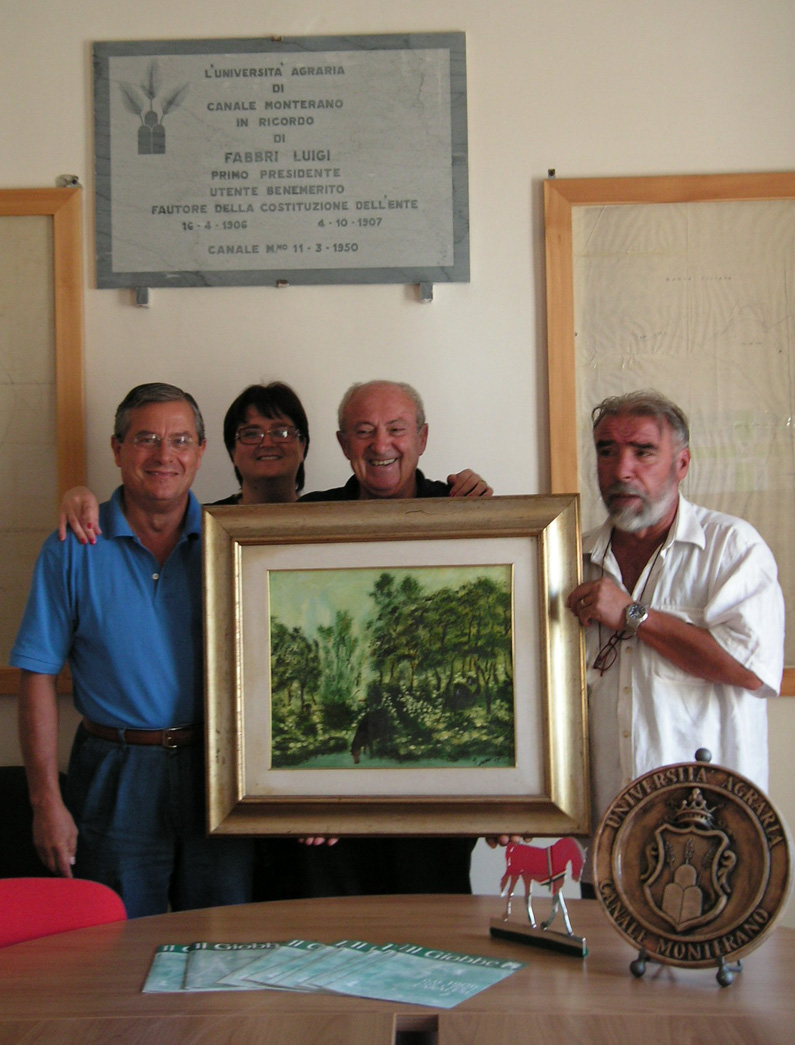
pixel 341 660
pixel 396 646
pixel 486 647
pixel 295 663
pixel 295 675
pixel 384 628
pixel 442 658
pixel 420 676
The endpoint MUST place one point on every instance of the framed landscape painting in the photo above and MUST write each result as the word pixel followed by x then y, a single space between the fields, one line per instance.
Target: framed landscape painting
pixel 395 667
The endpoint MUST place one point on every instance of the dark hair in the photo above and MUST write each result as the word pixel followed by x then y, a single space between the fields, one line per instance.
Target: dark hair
pixel 273 400
pixel 153 392
pixel 645 403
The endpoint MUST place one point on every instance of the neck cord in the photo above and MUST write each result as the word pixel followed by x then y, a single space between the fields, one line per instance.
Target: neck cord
pixel 608 652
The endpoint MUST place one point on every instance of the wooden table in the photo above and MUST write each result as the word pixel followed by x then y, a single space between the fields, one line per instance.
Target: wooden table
pixel 85 986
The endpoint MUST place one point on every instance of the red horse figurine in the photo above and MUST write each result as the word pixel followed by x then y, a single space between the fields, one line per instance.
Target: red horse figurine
pixel 545 866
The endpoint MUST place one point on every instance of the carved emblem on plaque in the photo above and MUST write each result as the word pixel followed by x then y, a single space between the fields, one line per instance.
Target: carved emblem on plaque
pixel 688 865
pixel 692 864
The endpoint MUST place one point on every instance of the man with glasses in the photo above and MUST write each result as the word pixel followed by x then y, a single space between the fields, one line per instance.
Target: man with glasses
pixel 266 434
pixel 383 433
pixel 127 615
pixel 682 610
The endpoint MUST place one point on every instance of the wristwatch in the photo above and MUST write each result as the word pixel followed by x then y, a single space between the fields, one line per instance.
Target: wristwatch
pixel 635 614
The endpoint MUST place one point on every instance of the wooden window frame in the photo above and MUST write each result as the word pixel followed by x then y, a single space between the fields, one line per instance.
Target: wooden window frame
pixel 560 197
pixel 64 206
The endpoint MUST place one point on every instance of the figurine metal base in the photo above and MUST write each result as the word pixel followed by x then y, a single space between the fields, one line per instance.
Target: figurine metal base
pixel 518 932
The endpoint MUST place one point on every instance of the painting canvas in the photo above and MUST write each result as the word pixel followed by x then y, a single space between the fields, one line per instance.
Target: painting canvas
pixel 393 668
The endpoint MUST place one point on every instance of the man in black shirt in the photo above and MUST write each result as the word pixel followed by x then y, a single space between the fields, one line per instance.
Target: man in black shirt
pixel 383 432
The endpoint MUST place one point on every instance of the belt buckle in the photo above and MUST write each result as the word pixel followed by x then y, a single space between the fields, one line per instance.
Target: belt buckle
pixel 168 741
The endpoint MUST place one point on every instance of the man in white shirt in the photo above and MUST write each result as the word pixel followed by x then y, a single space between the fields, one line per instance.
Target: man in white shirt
pixel 682 610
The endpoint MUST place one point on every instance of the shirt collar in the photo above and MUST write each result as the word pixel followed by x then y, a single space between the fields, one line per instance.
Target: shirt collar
pixel 685 527
pixel 352 485
pixel 116 524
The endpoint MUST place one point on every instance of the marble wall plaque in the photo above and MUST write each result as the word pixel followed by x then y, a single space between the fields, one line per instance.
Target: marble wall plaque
pixel 272 161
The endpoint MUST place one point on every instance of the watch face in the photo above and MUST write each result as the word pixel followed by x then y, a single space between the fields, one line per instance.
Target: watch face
pixel 636 614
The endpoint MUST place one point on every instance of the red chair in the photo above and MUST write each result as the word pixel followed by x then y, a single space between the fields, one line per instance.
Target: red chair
pixel 33 907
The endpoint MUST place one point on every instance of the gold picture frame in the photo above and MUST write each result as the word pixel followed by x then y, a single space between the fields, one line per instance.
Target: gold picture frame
pixel 544 791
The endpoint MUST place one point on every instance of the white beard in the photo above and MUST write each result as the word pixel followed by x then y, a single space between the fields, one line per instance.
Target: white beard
pixel 650 513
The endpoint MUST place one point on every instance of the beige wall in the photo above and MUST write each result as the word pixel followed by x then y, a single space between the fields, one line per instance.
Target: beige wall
pixel 618 87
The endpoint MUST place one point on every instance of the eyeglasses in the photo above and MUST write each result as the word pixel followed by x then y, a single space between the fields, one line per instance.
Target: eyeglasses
pixel 279 434
pixel 608 653
pixel 148 441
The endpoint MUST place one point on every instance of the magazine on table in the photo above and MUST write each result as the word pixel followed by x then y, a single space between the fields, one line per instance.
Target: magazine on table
pixel 209 963
pixel 167 971
pixel 388 972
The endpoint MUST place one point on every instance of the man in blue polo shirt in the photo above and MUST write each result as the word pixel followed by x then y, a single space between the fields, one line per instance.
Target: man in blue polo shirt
pixel 127 615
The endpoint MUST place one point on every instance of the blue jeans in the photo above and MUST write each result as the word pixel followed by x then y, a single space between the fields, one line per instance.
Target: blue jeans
pixel 140 815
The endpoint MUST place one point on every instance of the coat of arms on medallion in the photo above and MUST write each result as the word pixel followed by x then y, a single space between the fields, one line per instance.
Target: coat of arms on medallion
pixel 692 865
pixel 689 865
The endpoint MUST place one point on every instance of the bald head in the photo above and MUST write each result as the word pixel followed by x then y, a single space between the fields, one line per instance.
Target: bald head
pixel 382 432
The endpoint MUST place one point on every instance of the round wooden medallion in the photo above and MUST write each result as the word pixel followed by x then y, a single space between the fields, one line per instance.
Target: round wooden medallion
pixel 692 864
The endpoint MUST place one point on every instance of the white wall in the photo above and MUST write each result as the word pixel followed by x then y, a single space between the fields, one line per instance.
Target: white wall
pixel 618 87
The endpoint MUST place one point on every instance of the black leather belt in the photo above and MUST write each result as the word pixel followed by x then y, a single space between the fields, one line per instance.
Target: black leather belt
pixel 176 736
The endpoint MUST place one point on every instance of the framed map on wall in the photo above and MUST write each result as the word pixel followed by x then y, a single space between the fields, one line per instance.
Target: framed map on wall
pixel 683 284
pixel 42 441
